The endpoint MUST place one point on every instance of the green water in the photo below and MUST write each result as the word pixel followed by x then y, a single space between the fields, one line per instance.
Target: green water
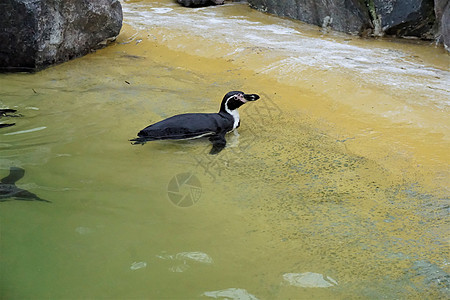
pixel 309 186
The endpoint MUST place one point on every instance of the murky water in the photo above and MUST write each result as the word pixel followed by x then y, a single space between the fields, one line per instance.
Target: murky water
pixel 335 187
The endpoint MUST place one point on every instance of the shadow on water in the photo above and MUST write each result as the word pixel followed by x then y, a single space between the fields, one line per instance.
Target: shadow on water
pixel 311 198
pixel 10 191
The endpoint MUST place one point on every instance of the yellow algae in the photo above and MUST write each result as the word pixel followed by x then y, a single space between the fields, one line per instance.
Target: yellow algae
pixel 354 119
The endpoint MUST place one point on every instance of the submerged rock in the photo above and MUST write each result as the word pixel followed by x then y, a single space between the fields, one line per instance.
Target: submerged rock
pixel 309 280
pixel 38 33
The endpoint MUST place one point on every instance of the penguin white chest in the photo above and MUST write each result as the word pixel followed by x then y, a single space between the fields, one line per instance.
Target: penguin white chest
pixel 235 115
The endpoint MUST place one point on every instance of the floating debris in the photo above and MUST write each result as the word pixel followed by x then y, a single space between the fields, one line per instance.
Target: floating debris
pixel 138 265
pixel 195 256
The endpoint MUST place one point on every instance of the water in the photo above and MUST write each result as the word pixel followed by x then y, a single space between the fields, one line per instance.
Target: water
pixel 335 187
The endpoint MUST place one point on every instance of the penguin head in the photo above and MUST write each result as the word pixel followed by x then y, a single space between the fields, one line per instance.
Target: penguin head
pixel 233 100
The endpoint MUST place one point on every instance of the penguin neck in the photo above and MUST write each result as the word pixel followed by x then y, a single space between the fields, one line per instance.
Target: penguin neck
pixel 230 106
pixel 235 114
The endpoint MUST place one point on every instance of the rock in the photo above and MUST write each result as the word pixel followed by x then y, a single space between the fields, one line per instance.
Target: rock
pixel 198 3
pixel 349 16
pixel 442 12
pixel 425 19
pixel 38 33
pixel 411 18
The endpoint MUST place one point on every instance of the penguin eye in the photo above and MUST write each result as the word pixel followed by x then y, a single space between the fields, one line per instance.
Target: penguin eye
pixel 235 97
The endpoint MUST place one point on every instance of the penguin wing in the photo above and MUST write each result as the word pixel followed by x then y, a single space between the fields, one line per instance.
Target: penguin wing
pixel 218 142
pixel 184 126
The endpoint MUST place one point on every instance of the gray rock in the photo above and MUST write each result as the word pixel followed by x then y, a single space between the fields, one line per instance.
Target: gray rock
pixel 413 18
pixel 38 33
pixel 198 3
pixel 349 16
pixel 425 19
pixel 442 12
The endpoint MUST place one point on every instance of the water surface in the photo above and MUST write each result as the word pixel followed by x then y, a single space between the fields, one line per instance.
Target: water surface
pixel 336 185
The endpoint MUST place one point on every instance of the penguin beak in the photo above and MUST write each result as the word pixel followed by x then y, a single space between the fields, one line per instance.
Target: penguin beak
pixel 251 97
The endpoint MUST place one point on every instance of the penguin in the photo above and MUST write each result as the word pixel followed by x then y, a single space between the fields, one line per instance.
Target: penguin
pixel 197 125
pixel 8 188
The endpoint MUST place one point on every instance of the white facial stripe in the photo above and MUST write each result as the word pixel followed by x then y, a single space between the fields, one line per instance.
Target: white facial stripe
pixel 234 113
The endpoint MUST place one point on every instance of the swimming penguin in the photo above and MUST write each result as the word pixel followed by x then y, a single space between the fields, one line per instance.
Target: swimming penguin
pixel 8 188
pixel 196 125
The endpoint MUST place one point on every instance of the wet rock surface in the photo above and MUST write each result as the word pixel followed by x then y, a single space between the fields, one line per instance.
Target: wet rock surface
pixel 406 18
pixel 347 16
pixel 38 33
pixel 442 11
pixel 424 19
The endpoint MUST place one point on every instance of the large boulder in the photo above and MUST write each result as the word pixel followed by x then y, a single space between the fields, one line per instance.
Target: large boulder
pixel 414 18
pixel 38 33
pixel 349 16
